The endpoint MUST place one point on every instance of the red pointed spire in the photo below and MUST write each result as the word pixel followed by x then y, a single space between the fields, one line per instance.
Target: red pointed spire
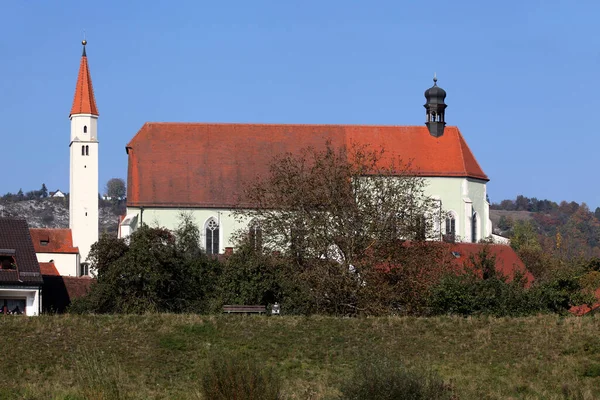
pixel 84 101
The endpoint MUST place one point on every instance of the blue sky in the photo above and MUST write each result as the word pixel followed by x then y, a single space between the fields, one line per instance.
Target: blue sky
pixel 521 76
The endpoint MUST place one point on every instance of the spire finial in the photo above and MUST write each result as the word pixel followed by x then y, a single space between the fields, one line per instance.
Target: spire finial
pixel 434 79
pixel 84 42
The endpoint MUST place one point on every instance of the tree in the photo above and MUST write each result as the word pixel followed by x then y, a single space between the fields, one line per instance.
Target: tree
pixel 115 189
pixel 156 271
pixel 337 204
pixel 337 214
pixel 44 191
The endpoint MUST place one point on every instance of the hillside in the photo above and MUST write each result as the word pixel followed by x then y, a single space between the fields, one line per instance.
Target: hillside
pixel 164 356
pixel 53 213
pixel 495 216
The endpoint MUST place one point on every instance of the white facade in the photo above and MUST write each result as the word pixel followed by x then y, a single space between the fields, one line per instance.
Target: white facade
pixel 83 199
pixel 461 197
pixel 31 295
pixel 67 264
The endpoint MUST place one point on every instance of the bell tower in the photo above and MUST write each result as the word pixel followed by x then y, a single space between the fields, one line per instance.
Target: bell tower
pixel 436 109
pixel 83 196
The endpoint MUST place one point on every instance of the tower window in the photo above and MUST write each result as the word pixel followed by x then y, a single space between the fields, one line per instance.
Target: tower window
pixel 83 150
pixel 450 227
pixel 86 214
pixel 212 237
pixel 85 129
pixel 87 150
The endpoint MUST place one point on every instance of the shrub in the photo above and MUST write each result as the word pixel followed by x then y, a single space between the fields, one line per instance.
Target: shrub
pixel 385 379
pixel 231 376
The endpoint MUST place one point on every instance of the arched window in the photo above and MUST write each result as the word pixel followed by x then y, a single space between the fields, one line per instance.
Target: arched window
pixel 83 150
pixel 255 235
pixel 474 237
pixel 85 129
pixel 212 237
pixel 87 150
pixel 450 226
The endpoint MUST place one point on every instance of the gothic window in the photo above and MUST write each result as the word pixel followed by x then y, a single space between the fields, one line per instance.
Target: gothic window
pixel 83 150
pixel 212 237
pixel 450 224
pixel 474 228
pixel 87 150
pixel 255 235
pixel 85 129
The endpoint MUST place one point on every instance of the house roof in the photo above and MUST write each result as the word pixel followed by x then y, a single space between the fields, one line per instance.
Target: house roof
pixel 48 268
pixel 507 260
pixel 56 240
pixel 15 241
pixel 208 164
pixel 84 101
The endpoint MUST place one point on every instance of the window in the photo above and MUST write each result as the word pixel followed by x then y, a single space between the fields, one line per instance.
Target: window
pixel 474 228
pixel 255 235
pixel 84 269
pixel 450 233
pixel 421 228
pixel 44 242
pixel 85 129
pixel 83 150
pixel 87 150
pixel 12 306
pixel 7 261
pixel 212 237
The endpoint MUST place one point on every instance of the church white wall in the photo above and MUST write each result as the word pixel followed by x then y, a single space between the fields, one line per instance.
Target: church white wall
pixel 170 218
pixel 462 196
pixel 66 264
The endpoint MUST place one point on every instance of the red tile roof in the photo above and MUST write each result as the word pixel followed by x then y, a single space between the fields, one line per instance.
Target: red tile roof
pixel 48 268
pixel 507 260
pixel 207 164
pixel 58 240
pixel 84 101
pixel 586 308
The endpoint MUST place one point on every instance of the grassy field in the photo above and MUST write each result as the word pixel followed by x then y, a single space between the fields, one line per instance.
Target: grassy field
pixel 163 356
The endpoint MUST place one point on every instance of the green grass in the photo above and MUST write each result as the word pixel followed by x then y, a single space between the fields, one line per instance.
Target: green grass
pixel 164 356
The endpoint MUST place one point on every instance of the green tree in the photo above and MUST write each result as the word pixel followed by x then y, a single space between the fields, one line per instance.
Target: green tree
pixel 524 236
pixel 156 271
pixel 44 191
pixel 115 189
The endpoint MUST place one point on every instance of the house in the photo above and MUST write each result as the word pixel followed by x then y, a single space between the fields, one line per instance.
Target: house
pixel 20 275
pixel 202 168
pixel 56 246
pixel 57 194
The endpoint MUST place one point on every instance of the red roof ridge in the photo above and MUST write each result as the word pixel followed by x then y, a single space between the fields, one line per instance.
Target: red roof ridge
pixel 84 101
pixel 287 124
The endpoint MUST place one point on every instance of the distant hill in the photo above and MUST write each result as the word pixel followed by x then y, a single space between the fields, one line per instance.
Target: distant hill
pixel 495 216
pixel 54 213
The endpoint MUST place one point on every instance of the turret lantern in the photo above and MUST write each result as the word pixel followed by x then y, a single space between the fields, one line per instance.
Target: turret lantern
pixel 435 107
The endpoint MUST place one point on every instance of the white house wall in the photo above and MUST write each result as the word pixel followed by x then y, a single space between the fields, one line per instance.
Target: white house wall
pixel 32 296
pixel 66 264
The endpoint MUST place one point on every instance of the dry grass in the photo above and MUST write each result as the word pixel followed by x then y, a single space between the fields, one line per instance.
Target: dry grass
pixel 164 356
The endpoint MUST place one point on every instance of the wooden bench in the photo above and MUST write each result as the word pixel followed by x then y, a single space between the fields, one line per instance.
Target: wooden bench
pixel 228 309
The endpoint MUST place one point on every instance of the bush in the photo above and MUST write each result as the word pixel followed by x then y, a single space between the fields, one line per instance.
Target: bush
pixel 385 379
pixel 231 376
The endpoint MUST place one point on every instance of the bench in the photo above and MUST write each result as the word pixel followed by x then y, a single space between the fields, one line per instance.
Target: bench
pixel 228 309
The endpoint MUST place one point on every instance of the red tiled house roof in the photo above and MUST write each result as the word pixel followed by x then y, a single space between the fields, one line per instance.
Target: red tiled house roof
pixel 48 268
pixel 84 101
pixel 47 240
pixel 207 164
pixel 507 260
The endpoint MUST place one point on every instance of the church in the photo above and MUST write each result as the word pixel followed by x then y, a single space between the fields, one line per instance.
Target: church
pixel 202 169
